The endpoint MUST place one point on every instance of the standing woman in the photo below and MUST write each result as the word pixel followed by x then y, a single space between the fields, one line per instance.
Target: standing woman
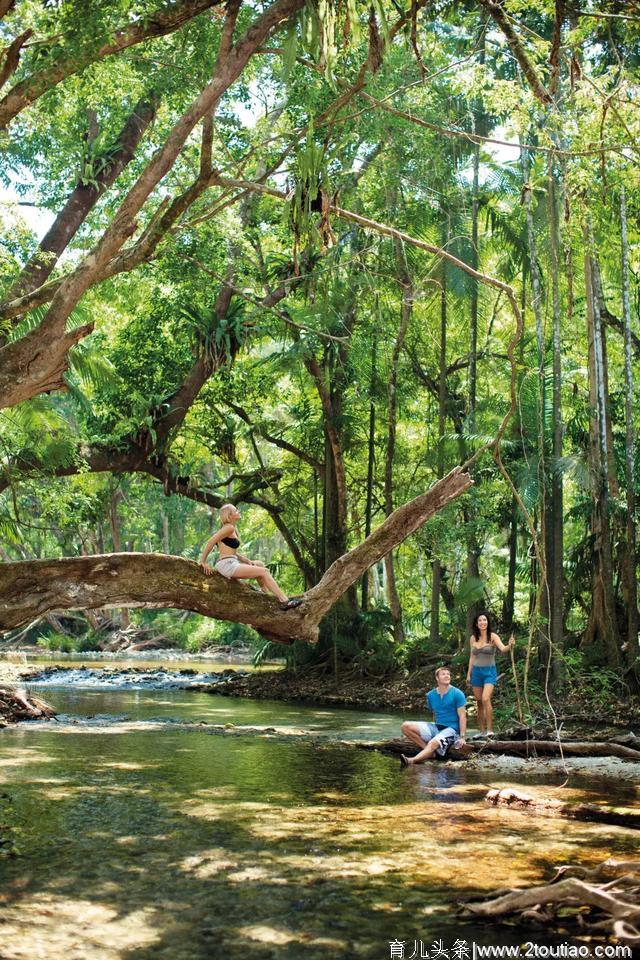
pixel 233 565
pixel 482 673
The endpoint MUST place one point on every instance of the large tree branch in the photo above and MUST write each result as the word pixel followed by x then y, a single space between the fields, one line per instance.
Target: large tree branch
pixel 496 10
pixel 148 580
pixel 12 56
pixel 400 524
pixel 158 24
pixel 81 202
pixel 33 588
pixel 26 365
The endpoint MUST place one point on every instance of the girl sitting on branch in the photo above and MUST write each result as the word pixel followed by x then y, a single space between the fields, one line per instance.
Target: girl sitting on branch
pixel 233 565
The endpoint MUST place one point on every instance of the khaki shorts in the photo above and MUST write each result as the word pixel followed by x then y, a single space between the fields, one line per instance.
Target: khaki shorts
pixel 227 566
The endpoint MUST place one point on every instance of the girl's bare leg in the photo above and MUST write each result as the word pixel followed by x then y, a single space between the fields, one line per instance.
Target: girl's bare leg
pixel 477 692
pixel 487 706
pixel 246 571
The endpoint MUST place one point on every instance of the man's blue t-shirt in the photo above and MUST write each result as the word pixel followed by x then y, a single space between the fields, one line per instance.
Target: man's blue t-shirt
pixel 446 708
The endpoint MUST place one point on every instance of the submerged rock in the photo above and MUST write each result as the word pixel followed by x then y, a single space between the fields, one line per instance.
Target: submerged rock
pixel 136 678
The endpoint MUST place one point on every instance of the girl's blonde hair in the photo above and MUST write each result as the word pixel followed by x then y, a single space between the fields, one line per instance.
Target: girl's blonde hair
pixel 226 511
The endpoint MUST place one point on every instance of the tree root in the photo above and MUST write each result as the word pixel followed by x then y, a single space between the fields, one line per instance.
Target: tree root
pixel 614 904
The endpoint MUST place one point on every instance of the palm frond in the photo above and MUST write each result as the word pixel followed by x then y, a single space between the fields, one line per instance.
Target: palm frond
pixel 9 529
pixel 36 416
pixel 92 367
pixel 77 318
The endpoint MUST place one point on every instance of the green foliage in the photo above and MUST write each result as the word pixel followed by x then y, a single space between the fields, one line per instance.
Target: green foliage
pixel 220 633
pixel 57 642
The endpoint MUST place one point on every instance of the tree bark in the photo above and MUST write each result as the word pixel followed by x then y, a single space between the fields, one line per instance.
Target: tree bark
pixel 6 6
pixel 405 317
pixel 601 626
pixel 436 567
pixel 473 549
pixel 598 296
pixel 32 588
pixel 556 519
pixel 630 544
pixel 371 456
pixel 12 56
pixel 545 584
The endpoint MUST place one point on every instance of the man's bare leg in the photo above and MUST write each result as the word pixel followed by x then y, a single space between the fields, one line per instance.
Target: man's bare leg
pixel 410 731
pixel 425 754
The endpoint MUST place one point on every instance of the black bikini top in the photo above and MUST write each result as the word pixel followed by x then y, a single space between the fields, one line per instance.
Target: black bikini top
pixel 231 542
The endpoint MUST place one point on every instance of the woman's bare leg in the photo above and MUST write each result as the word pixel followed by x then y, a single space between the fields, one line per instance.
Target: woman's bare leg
pixel 487 706
pixel 246 571
pixel 477 692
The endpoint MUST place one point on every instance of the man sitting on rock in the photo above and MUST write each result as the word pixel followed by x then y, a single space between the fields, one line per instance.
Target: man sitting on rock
pixel 449 707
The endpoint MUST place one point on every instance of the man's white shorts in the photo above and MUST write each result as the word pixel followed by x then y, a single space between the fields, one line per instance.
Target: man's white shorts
pixel 446 737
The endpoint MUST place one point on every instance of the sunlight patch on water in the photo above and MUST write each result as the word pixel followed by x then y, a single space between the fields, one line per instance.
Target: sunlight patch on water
pixel 208 863
pixel 280 937
pixel 48 926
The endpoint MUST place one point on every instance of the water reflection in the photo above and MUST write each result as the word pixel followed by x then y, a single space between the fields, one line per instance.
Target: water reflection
pixel 191 706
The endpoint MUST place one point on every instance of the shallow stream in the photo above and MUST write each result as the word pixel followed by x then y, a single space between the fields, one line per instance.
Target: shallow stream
pixel 164 842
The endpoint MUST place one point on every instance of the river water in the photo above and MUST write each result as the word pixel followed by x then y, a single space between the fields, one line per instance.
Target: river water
pixel 142 839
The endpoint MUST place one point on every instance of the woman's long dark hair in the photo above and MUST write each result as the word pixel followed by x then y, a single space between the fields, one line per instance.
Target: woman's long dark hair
pixel 476 628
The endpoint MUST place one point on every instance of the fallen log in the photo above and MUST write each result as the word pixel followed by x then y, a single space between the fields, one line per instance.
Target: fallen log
pixel 17 705
pixel 531 748
pixel 548 733
pixel 556 748
pixel 547 807
pixel 571 890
